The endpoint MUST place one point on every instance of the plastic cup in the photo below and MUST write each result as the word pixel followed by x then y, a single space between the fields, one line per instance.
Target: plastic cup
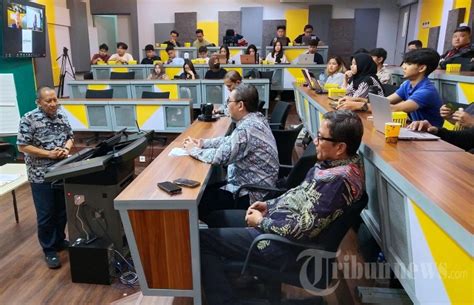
pixel 187 44
pixel 392 131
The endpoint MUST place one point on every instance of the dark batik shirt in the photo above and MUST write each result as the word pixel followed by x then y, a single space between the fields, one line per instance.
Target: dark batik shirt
pixel 40 130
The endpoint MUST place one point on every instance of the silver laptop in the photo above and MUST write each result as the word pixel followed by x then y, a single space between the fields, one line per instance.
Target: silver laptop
pixel 382 114
pixel 306 59
pixel 316 86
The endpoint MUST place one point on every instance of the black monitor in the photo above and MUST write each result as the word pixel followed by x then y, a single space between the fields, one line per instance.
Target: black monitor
pixel 23 32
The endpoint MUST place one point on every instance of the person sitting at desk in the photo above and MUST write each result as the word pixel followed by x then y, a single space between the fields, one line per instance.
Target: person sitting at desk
pixel 252 50
pixel 418 96
pixel 45 137
pixel 102 56
pixel 121 56
pixel 461 138
pixel 202 53
pixel 359 81
pixel 150 55
pixel 158 72
pixel 224 50
pixel 277 56
pixel 173 41
pixel 462 51
pixel 379 55
pixel 335 182
pixel 313 49
pixel 232 38
pixel 280 36
pixel 215 71
pixel 461 116
pixel 414 45
pixel 188 71
pixel 200 41
pixel 173 60
pixel 250 153
pixel 307 36
pixel 334 73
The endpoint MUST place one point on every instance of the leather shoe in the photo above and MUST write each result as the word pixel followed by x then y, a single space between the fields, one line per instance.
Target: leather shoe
pixel 52 260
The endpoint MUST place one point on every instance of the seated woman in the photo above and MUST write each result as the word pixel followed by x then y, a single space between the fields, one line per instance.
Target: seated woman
pixel 215 71
pixel 359 81
pixel 276 56
pixel 224 50
pixel 158 72
pixel 252 50
pixel 334 73
pixel 188 71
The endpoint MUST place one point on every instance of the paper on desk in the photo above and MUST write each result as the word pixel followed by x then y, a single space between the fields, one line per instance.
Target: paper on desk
pixel 178 152
pixel 7 178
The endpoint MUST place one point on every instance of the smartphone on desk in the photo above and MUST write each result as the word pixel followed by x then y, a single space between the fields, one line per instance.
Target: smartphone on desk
pixel 169 187
pixel 187 182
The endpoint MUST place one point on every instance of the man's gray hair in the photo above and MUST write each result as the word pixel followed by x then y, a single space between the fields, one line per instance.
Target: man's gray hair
pixel 249 95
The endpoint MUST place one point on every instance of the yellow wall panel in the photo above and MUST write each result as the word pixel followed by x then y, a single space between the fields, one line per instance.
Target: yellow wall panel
pixel 466 4
pixel 432 11
pixel 295 22
pixel 79 112
pixel 144 112
pixel 455 266
pixel 172 89
pixel 211 30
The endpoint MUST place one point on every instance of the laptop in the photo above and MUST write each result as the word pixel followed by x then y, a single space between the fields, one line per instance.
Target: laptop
pixel 306 39
pixel 314 85
pixel 306 59
pixel 382 114
pixel 247 59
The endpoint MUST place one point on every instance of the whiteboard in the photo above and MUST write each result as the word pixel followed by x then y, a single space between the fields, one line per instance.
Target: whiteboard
pixel 9 113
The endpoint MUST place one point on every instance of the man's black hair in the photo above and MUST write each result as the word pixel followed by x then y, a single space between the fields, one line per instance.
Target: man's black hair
pixel 149 47
pixel 104 47
pixel 417 43
pixel 425 56
pixel 122 45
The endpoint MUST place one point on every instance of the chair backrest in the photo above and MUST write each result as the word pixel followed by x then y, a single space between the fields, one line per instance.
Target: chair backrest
pixel 301 167
pixel 285 141
pixel 280 113
pixel 122 75
pixel 261 104
pixel 108 93
pixel 389 89
pixel 7 153
pixel 266 74
pixel 150 94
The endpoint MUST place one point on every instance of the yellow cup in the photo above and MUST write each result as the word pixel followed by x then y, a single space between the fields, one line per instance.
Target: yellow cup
pixel 392 130
pixel 400 117
pixel 132 62
pixel 453 68
pixel 112 62
pixel 187 44
pixel 290 44
pixel 163 45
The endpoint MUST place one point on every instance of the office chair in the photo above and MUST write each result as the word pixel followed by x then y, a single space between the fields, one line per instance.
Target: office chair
pixel 93 94
pixel 122 75
pixel 7 153
pixel 266 75
pixel 389 89
pixel 279 115
pixel 150 94
pixel 285 141
pixel 328 240
pixel 261 104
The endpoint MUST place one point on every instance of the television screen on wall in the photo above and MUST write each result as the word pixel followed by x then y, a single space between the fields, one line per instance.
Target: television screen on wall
pixel 23 29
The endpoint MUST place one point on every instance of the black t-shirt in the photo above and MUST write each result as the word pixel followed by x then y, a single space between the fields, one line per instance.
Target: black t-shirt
pixel 318 59
pixel 215 75
pixel 300 39
pixel 149 61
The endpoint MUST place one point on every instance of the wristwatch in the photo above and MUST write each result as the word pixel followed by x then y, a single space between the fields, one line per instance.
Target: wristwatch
pixel 365 107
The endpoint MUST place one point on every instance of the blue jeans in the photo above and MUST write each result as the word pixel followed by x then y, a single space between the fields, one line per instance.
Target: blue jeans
pixel 50 215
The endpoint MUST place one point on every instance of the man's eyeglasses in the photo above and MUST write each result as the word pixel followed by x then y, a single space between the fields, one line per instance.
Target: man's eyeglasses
pixel 319 137
pixel 228 101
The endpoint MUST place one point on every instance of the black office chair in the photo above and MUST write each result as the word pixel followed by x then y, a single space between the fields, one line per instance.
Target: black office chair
pixel 261 104
pixel 328 240
pixel 266 74
pixel 108 93
pixel 150 94
pixel 279 115
pixel 285 140
pixel 7 153
pixel 389 89
pixel 122 75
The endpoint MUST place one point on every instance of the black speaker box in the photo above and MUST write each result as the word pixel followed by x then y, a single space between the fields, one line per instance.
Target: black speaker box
pixel 92 263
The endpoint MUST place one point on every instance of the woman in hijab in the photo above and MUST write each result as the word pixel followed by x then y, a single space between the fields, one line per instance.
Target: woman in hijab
pixel 359 81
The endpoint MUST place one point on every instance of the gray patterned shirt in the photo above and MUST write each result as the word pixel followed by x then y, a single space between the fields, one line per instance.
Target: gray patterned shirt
pixel 40 130
pixel 250 153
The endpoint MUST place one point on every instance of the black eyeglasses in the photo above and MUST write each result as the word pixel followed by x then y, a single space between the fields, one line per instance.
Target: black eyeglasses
pixel 319 137
pixel 228 101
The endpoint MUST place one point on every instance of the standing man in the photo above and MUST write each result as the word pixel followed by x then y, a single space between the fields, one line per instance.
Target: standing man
pixel 45 137
pixel 200 41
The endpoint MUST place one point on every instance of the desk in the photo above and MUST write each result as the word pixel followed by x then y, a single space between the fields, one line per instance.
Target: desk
pixel 13 169
pixel 163 230
pixel 420 210
pixel 292 52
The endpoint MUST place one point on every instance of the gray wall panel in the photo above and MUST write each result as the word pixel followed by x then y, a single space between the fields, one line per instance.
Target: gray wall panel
pixel 252 24
pixel 433 37
pixel 43 70
pixel 80 34
pixel 471 17
pixel 120 7
pixel 229 20
pixel 162 31
pixel 320 17
pixel 185 24
pixel 366 28
pixel 341 38
pixel 269 30
pixel 455 17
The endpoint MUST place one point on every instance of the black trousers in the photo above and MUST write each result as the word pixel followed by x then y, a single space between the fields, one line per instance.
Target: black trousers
pixel 215 199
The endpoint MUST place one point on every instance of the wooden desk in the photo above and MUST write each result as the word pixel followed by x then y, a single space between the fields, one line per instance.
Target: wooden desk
pixel 13 169
pixel 420 210
pixel 162 230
